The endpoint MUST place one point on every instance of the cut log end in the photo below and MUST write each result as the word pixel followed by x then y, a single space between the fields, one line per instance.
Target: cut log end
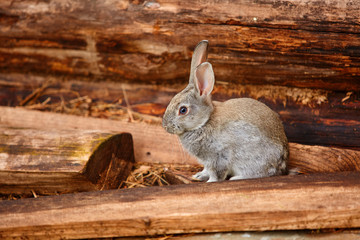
pixel 111 162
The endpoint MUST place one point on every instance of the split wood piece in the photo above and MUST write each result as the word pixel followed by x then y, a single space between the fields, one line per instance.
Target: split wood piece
pixel 266 42
pixel 153 145
pixel 52 160
pixel 278 203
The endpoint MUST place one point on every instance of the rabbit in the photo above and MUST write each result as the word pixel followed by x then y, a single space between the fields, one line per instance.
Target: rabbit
pixel 240 138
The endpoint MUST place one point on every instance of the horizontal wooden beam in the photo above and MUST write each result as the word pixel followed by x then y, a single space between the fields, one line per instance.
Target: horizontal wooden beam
pixel 44 183
pixel 310 116
pixel 25 125
pixel 151 142
pixel 281 43
pixel 278 203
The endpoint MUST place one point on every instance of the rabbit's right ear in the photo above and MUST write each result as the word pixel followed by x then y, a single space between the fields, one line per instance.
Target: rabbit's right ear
pixel 199 56
pixel 204 79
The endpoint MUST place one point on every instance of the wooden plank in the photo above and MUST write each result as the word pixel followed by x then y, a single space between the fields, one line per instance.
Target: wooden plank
pixel 166 148
pixel 278 43
pixel 148 148
pixel 276 203
pixel 44 183
pixel 310 116
pixel 52 160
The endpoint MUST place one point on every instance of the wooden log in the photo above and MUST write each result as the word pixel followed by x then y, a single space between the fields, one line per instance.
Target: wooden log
pixel 43 183
pixel 312 159
pixel 277 203
pixel 147 147
pixel 111 163
pixel 166 148
pixel 310 116
pixel 50 161
pixel 287 43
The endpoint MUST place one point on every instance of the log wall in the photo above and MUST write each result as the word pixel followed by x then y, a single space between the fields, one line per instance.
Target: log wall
pixel 309 43
pixel 302 58
pixel 310 116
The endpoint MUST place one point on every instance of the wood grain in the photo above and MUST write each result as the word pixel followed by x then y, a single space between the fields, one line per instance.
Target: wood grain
pixel 277 203
pixel 45 183
pixel 29 149
pixel 312 159
pixel 310 116
pixel 151 142
pixel 310 43
pixel 166 148
pixel 56 161
pixel 112 162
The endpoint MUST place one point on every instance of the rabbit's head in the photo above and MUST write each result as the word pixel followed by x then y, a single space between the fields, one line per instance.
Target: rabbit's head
pixel 191 108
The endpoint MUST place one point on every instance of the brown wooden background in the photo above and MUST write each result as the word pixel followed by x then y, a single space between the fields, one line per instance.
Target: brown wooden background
pixel 302 58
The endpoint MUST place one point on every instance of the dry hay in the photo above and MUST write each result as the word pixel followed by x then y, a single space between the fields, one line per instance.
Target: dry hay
pixel 304 96
pixel 146 175
pixel 76 104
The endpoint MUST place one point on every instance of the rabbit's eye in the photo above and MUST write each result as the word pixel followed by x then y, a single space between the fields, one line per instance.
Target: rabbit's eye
pixel 183 110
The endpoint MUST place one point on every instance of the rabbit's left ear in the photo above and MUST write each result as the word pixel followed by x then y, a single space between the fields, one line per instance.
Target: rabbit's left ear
pixel 204 79
pixel 199 56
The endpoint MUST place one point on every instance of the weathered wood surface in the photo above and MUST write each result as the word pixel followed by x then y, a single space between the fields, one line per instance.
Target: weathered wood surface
pixel 310 116
pixel 151 142
pixel 307 43
pixel 28 183
pixel 30 149
pixel 52 160
pixel 277 203
pixel 312 159
pixel 153 145
pixel 111 163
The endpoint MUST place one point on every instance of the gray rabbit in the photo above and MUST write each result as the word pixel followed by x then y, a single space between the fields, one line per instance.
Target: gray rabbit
pixel 240 138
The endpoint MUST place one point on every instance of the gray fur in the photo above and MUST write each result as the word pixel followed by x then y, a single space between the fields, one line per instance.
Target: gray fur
pixel 240 138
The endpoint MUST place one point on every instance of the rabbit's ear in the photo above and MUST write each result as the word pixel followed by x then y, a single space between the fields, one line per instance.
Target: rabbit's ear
pixel 204 79
pixel 199 56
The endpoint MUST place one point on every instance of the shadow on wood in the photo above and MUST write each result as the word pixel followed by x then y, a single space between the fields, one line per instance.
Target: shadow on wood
pixel 111 162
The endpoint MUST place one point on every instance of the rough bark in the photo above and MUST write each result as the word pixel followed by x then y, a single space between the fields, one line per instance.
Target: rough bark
pixel 310 43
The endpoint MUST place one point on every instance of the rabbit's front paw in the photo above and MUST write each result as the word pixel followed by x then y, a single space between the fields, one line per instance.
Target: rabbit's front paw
pixel 202 176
